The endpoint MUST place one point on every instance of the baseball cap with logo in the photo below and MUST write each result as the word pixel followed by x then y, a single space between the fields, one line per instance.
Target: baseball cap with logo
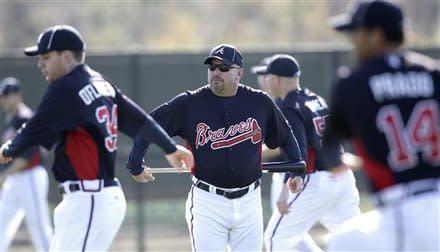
pixel 261 67
pixel 228 54
pixel 57 38
pixel 370 14
pixel 9 85
pixel 282 65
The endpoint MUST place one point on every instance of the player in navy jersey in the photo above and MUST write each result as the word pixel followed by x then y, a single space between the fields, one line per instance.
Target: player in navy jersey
pixel 275 155
pixel 324 198
pixel 224 124
pixel 389 106
pixel 270 155
pixel 81 114
pixel 24 190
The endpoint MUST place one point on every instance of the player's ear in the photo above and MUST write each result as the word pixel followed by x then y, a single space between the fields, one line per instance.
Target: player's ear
pixel 240 73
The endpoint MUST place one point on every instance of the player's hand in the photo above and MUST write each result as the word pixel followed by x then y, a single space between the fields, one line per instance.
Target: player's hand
pixel 295 184
pixel 352 161
pixel 282 205
pixel 182 158
pixel 3 159
pixel 349 161
pixel 144 177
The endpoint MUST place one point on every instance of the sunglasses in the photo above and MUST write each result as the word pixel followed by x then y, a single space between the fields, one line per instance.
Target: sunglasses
pixel 221 67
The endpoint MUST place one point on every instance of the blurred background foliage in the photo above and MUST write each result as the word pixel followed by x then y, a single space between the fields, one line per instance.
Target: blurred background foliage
pixel 195 25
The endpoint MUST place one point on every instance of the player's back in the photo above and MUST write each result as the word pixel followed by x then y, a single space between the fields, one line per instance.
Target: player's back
pixel 88 146
pixel 313 111
pixel 393 105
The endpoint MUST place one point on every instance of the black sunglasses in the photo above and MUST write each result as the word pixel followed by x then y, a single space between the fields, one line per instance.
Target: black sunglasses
pixel 221 67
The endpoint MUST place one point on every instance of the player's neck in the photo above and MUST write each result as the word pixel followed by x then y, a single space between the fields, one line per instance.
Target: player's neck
pixel 289 88
pixel 69 67
pixel 385 49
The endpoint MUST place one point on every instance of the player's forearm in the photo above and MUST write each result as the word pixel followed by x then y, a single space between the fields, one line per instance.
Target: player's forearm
pixel 292 150
pixel 153 132
pixel 17 146
pixel 150 132
pixel 293 153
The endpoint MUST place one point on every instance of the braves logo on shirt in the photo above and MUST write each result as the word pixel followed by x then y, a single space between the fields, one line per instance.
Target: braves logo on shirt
pixel 224 138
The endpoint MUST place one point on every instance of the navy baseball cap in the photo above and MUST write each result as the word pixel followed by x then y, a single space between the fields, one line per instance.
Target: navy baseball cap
pixel 261 67
pixel 228 54
pixel 9 85
pixel 370 14
pixel 57 38
pixel 282 65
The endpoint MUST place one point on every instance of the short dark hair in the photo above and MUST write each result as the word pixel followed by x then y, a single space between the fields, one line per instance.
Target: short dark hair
pixel 79 56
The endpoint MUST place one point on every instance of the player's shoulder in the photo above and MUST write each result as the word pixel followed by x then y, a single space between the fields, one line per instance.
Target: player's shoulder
pixel 247 92
pixel 24 112
pixel 74 80
pixel 188 96
pixel 414 59
pixel 303 100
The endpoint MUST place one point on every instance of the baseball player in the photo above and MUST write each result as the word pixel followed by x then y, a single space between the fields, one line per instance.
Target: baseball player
pixel 390 107
pixel 24 191
pixel 274 155
pixel 270 155
pixel 80 114
pixel 224 124
pixel 324 198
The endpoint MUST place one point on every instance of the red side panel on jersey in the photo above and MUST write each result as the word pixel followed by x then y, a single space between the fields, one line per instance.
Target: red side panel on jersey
pixel 311 156
pixel 82 153
pixel 35 160
pixel 380 175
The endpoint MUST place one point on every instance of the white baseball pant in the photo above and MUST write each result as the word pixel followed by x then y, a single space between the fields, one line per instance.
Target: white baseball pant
pixel 307 244
pixel 217 223
pixel 88 221
pixel 24 194
pixel 330 200
pixel 406 222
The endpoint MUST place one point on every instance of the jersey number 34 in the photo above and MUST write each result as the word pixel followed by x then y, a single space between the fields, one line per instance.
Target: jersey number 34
pixel 110 120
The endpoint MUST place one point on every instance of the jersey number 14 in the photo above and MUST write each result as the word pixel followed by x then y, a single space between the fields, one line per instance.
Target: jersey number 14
pixel 421 134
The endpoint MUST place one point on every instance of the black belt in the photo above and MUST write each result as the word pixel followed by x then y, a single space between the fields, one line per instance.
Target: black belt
pixel 76 186
pixel 229 194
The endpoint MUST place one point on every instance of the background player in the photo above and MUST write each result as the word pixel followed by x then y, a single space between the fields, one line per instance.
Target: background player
pixel 80 114
pixel 26 184
pixel 275 155
pixel 389 106
pixel 324 198
pixel 270 155
pixel 225 124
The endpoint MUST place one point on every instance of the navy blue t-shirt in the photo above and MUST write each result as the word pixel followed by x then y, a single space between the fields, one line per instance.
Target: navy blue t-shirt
pixel 226 134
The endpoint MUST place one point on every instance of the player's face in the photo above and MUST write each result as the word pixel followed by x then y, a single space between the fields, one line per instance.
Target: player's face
pixel 224 83
pixel 273 83
pixel 51 65
pixel 261 79
pixel 10 102
pixel 362 42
